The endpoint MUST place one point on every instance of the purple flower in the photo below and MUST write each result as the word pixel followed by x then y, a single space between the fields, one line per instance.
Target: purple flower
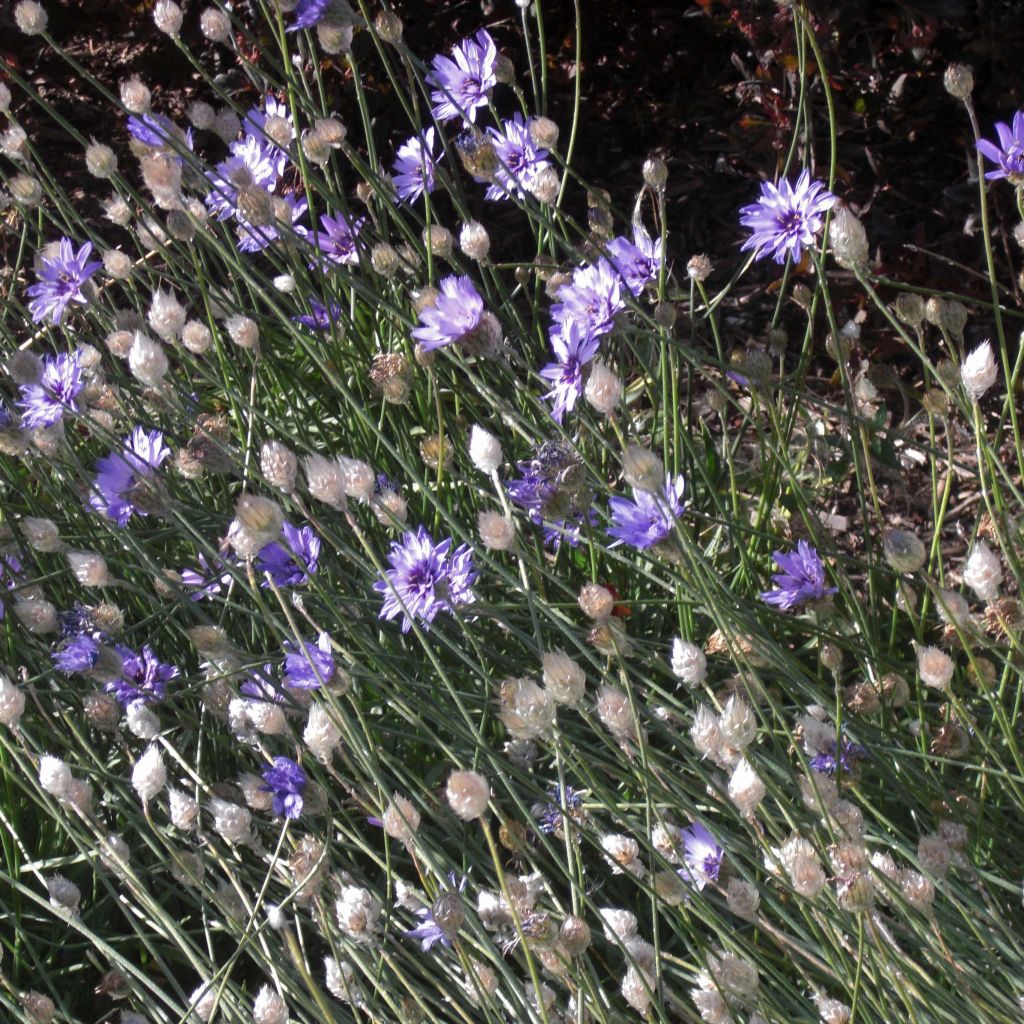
pixel 157 130
pixel 462 85
pixel 336 240
pixel 828 763
pixel 786 218
pixel 209 580
pixel 573 350
pixel 260 686
pixel 425 578
pixel 550 816
pixel 802 578
pixel 144 677
pixel 292 562
pixel 252 163
pixel 428 932
pixel 552 489
pixel 308 13
pixel 638 261
pixel 322 318
pixel 287 781
pixel 1008 156
pixel 453 317
pixel 414 166
pixel 310 666
pixel 255 122
pixel 46 401
pixel 124 479
pixel 521 159
pixel 649 518
pixel 591 300
pixel 61 277
pixel 77 654
pixel 701 854
pixel 255 238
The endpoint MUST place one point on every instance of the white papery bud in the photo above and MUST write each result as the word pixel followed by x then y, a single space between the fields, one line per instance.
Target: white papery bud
pixel 167 16
pixel 688 663
pixel 438 240
pixel 617 924
pixel 100 160
pixel 746 790
pixel 743 899
pixel 484 450
pixel 358 913
pixel 135 96
pixel 147 360
pixel 526 710
pixel 89 568
pixel 41 534
pixel 255 794
pixel 30 17
pixel 279 465
pixel 257 522
pixel 497 532
pixel 321 734
pixel 706 733
pixel 953 608
pixel 117 211
pixel 339 979
pixel 636 989
pixel 269 1007
pixel 613 708
pixel 603 389
pixel 934 854
pixel 979 371
pixel 847 238
pixel 149 775
pixel 39 1009
pixel 935 667
pixel 545 186
pixel 643 469
pixel 806 874
pixel 184 809
pixel 243 331
pixel 201 115
pixel 25 189
pixel 983 572
pixel 115 853
pixel 623 854
pixel 734 975
pixel 358 478
pixel 564 678
pixel 166 314
pixel 55 776
pixel 64 894
pixel 917 890
pixel 401 819
pixel 474 240
pixel 325 481
pixel 119 266
pixel 544 132
pixel 231 821
pixel 12 703
pixel 596 602
pixel 5 99
pixel 203 1001
pixel 36 614
pixel 196 337
pixel 142 721
pixel 655 173
pixel 14 146
pixel 738 723
pixel 215 25
pixel 467 794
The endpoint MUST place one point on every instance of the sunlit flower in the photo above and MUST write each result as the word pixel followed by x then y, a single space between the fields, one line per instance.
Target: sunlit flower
pixel 802 578
pixel 61 277
pixel 649 518
pixel 120 488
pixel 1008 156
pixel 414 166
pixel 287 781
pixel 786 218
pixel 45 402
pixel 462 84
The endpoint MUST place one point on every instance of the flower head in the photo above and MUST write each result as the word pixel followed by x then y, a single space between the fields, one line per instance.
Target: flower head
pixel 209 579
pixel 454 316
pixel 462 84
pixel 120 488
pixel 552 488
pixel 638 261
pixel 309 666
pixel 802 578
pixel 322 317
pixel 1008 156
pixel 702 855
pixel 157 130
pixel 828 761
pixel 429 932
pixel 573 349
pixel 649 518
pixel 414 166
pixel 591 299
pixel 44 402
pixel 254 163
pixel 336 239
pixel 77 654
pixel 786 217
pixel 287 781
pixel 425 578
pixel 308 13
pixel 979 371
pixel 144 677
pixel 292 560
pixel 61 277
pixel 521 159
pixel 550 816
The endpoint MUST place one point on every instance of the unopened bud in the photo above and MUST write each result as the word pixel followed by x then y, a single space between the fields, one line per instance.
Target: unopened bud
pixel 655 173
pixel 847 238
pixel 959 81
pixel 388 26
pixel 643 469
